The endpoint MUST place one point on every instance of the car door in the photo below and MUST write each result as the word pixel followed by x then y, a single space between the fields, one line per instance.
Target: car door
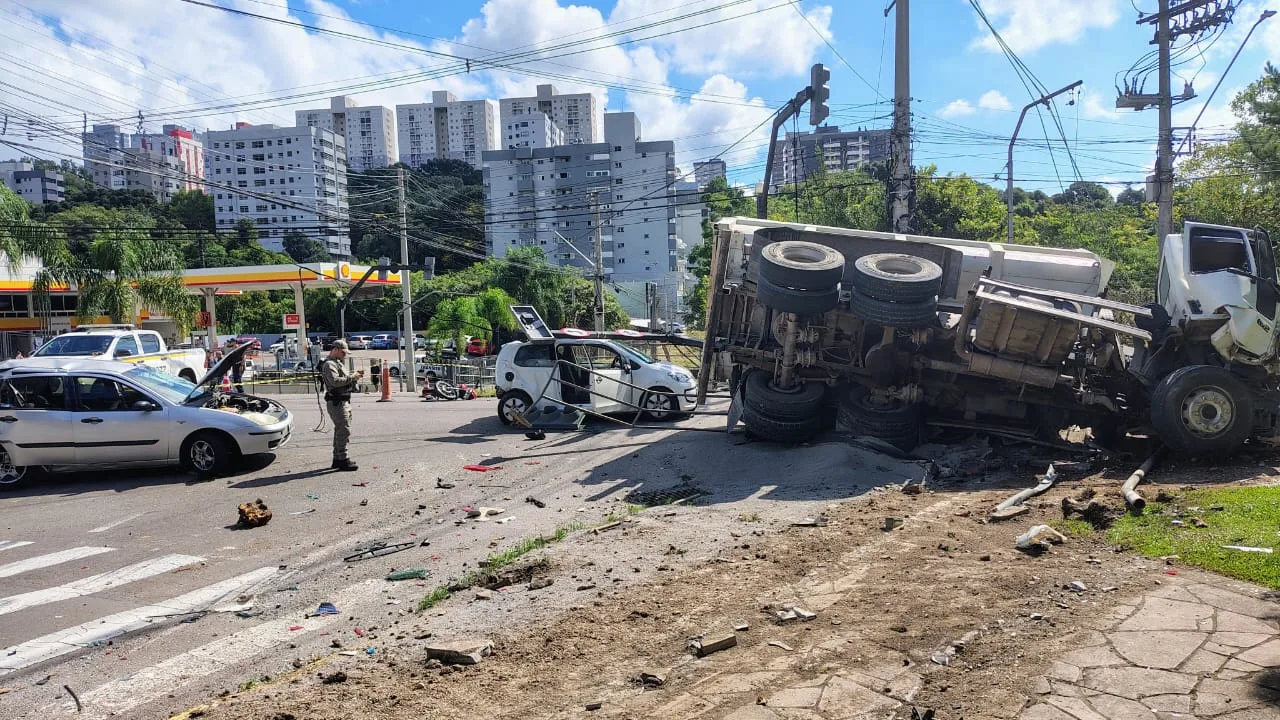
pixel 35 422
pixel 108 427
pixel 608 371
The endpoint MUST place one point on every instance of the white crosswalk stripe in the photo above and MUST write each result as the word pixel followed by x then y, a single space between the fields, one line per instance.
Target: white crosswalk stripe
pixel 96 583
pixel 11 544
pixel 55 558
pixel 102 629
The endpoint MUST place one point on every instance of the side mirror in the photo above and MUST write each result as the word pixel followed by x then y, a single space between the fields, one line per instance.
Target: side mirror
pixel 145 406
pixel 635 365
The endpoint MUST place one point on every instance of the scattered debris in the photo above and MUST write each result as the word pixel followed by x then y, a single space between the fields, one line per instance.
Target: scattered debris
pixel 482 513
pixel 595 705
pixel 378 550
pixel 1039 537
pixel 505 520
pixel 335 677
pixel 891 523
pixel 441 484
pixel 484 594
pixel 1131 496
pixel 72 693
pixel 606 527
pixel 703 646
pixel 535 502
pixel 540 583
pixel 741 626
pixel 917 715
pixel 325 608
pixel 254 514
pixel 409 574
pixel 1013 507
pixel 44 680
pixel 780 644
pixel 1198 522
pixel 1088 508
pixel 820 521
pixel 1249 548
pixel 481 468
pixel 941 658
pixel 460 652
pixel 1076 586
pixel 650 680
pixel 303 512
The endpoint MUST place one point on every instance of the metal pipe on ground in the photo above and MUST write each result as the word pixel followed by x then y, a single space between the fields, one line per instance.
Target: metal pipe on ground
pixel 1132 497
pixel 1013 506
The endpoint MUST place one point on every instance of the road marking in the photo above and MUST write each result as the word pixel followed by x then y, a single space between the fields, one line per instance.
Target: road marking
pixel 62 642
pixel 41 561
pixel 147 684
pixel 96 583
pixel 11 544
pixel 117 523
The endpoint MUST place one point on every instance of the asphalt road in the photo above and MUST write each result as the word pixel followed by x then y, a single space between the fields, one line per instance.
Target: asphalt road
pixel 99 570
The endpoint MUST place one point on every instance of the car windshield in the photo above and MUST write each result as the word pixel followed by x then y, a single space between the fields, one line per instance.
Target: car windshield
pixel 72 344
pixel 170 387
pixel 634 353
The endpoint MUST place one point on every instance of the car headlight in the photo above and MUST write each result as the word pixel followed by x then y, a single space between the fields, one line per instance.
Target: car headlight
pixel 680 377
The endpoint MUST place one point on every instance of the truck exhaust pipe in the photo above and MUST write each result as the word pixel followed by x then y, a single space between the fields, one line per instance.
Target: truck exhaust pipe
pixel 1132 497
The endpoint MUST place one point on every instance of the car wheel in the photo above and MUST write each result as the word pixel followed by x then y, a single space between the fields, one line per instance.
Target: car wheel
pixel 660 404
pixel 802 265
pixel 799 403
pixel 394 372
pixel 513 402
pixel 10 476
pixel 895 277
pixel 1202 410
pixel 801 302
pixel 208 454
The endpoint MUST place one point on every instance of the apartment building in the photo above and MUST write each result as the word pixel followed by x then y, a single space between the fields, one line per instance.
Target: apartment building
pixel 531 129
pixel 35 186
pixel 284 179
pixel 160 163
pixel 706 171
pixel 829 148
pixel 579 115
pixel 369 132
pixel 446 128
pixel 551 198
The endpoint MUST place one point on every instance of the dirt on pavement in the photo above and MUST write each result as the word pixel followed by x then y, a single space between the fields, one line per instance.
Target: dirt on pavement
pixel 921 605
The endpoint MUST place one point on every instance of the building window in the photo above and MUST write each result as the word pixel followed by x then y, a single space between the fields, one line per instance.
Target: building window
pixel 244 208
pixel 617 148
pixel 239 146
pixel 257 143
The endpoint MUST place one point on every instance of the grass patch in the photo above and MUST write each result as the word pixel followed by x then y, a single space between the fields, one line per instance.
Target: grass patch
pixel 487 391
pixel 494 563
pixel 1074 527
pixel 1236 516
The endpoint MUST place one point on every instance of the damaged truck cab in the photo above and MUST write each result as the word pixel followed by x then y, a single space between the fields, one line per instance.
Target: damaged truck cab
pixel 880 333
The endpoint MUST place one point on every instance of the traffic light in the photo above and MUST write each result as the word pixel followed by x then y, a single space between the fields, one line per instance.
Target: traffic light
pixel 819 76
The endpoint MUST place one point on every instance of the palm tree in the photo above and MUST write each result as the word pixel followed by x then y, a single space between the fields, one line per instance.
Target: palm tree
pixel 494 307
pixel 19 234
pixel 123 268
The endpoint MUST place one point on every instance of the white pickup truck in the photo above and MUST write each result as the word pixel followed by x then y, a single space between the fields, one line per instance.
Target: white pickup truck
pixel 126 343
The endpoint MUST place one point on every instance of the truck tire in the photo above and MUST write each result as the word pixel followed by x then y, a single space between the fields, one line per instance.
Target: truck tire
pixel 1202 410
pixel 897 423
pixel 801 302
pixel 894 277
pixel 777 429
pixel 802 402
pixel 894 314
pixel 801 265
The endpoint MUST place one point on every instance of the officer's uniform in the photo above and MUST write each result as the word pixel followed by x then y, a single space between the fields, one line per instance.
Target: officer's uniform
pixel 338 384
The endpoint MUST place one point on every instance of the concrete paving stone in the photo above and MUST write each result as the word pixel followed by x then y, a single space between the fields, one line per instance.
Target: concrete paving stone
pixel 1173 592
pixel 1237 603
pixel 1120 612
pixel 752 712
pixel 811 682
pixel 1094 657
pixel 1042 686
pixel 1214 697
pixel 1257 713
pixel 1228 650
pixel 1264 655
pixel 1085 639
pixel 1044 711
pixel 1077 708
pixel 735 683
pixel 801 697
pixel 686 706
pixel 1157 649
pixel 1225 674
pixel 1065 672
pixel 1162 614
pixel 1239 639
pixel 1169 703
pixel 905 685
pixel 1115 708
pixel 1237 664
pixel 1235 622
pixel 844 698
pixel 1068 690
pixel 1207 625
pixel 797 714
pixel 1134 683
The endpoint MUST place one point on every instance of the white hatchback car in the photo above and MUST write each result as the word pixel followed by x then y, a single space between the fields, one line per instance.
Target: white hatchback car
pixel 524 369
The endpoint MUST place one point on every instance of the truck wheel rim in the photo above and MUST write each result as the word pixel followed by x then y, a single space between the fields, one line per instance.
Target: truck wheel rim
pixel 202 455
pixel 513 407
pixel 8 473
pixel 1208 412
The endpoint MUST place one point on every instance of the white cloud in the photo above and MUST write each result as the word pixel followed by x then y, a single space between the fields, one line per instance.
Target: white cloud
pixel 994 100
pixel 957 108
pixel 1028 25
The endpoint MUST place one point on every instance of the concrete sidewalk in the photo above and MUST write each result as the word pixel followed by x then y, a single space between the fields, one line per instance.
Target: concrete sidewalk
pixel 1197 647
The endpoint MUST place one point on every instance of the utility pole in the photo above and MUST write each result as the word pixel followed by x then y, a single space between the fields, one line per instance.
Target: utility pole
pixel 599 262
pixel 651 302
pixel 1042 100
pixel 406 292
pixel 1187 17
pixel 902 189
pixel 816 94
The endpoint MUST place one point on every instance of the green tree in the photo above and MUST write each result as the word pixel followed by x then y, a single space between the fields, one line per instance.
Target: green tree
pixel 192 209
pixel 454 319
pixel 1131 197
pixel 1085 194
pixel 304 249
pixel 493 306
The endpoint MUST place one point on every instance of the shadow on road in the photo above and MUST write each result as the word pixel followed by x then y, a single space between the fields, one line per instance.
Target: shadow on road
pixel 67 484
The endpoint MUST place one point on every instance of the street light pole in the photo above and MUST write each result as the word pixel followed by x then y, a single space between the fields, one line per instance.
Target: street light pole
pixel 1042 100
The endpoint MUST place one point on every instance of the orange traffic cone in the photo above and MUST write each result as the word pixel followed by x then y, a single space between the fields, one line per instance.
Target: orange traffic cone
pixel 226 384
pixel 386 384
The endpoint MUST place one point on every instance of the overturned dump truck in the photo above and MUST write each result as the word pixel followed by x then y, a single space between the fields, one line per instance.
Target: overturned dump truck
pixel 881 333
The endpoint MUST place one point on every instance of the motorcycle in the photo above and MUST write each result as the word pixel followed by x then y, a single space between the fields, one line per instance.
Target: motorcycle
pixel 445 390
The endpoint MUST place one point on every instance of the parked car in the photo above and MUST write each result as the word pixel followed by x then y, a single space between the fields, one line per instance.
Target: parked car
pixel 326 342
pixel 359 342
pixel 419 342
pixel 58 412
pixel 124 342
pixel 524 368
pixel 383 342
pixel 477 347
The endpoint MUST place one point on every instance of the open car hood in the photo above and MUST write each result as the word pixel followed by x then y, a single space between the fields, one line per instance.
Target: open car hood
pixel 220 370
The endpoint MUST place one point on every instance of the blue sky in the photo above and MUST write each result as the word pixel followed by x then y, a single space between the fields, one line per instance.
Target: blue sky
pixel 107 57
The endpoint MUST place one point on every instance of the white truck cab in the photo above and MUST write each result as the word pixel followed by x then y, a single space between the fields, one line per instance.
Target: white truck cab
pixel 125 343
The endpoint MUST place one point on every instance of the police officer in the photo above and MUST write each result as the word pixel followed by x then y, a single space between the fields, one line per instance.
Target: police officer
pixel 338 384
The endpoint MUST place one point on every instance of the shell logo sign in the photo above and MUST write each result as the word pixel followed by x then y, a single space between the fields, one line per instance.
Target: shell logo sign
pixel 344 271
